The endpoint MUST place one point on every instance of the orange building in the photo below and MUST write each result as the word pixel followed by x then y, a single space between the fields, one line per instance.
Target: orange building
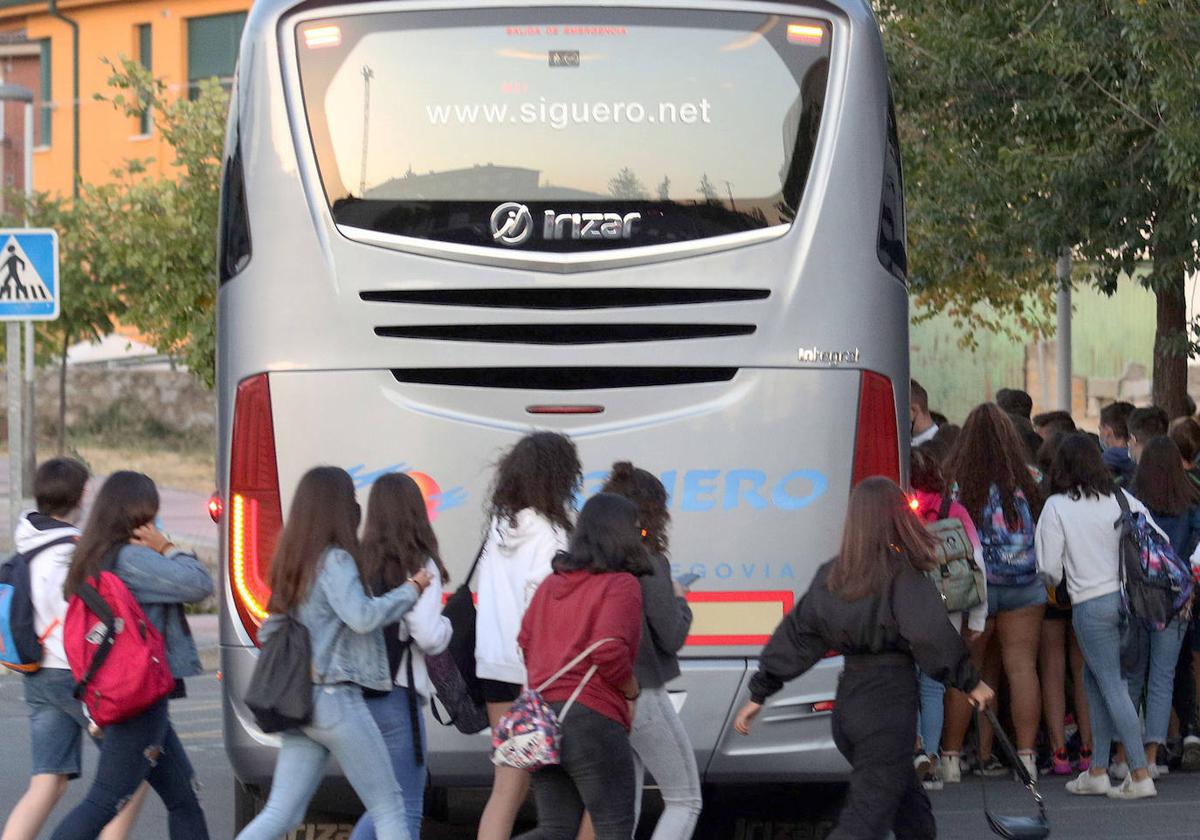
pixel 181 41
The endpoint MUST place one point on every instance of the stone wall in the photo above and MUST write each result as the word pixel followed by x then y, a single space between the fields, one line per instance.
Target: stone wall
pixel 173 399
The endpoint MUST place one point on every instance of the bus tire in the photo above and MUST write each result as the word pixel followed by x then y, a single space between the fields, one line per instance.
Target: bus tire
pixel 247 802
pixel 437 803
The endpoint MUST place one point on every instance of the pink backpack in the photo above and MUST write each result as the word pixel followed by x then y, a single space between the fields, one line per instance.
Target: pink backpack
pixel 530 733
pixel 116 655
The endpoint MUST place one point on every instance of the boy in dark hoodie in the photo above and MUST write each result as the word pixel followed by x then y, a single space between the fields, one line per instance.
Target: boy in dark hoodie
pixel 1114 434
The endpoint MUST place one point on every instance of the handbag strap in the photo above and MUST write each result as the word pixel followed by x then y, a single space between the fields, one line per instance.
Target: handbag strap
pixel 1014 760
pixel 944 510
pixel 588 651
pixel 414 714
pixel 478 556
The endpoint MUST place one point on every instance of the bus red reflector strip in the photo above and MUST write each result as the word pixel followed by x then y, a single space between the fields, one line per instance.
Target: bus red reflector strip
pixel 823 706
pixel 564 409
pixel 737 618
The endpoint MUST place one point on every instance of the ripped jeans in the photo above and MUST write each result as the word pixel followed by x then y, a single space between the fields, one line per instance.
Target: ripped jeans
pixel 145 747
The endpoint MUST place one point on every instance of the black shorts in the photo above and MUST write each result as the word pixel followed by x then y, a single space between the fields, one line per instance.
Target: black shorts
pixel 495 691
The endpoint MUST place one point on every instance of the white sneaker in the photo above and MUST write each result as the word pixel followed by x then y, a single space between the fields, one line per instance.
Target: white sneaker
pixel 1157 771
pixel 923 765
pixel 951 768
pixel 1088 785
pixel 1118 770
pixel 1129 789
pixel 1030 762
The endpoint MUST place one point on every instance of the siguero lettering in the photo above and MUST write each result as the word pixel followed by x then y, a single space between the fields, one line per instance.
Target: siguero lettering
pixel 701 490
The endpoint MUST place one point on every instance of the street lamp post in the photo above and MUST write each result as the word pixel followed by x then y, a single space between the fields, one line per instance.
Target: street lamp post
pixel 16 463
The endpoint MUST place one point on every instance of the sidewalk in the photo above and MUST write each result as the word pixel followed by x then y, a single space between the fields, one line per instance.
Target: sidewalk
pixel 183 515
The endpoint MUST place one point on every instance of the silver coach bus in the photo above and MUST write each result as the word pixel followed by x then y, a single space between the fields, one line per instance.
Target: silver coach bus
pixel 673 229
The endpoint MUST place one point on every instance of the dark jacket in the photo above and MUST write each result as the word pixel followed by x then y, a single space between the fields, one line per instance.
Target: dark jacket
pixel 908 616
pixel 668 619
pixel 1122 467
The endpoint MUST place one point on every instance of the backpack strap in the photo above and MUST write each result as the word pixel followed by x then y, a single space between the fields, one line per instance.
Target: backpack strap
pixel 414 714
pixel 94 602
pixel 588 651
pixel 944 510
pixel 36 550
pixel 478 556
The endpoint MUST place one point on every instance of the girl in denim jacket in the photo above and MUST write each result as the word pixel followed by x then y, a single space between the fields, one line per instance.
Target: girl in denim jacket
pixel 315 579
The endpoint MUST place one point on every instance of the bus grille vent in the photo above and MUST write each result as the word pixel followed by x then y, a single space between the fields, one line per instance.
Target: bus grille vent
pixel 570 298
pixel 564 333
pixel 564 378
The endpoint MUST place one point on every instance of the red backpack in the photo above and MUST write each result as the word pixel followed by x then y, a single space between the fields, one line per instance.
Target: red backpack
pixel 116 655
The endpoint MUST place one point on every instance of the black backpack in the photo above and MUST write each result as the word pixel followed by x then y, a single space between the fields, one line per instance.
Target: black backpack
pixel 280 691
pixel 452 672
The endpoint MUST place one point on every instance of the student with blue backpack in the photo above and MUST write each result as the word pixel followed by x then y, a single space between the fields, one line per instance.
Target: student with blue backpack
pixel 1076 537
pixel 1174 502
pixel 32 622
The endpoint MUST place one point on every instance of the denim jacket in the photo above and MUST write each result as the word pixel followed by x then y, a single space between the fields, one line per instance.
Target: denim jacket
pixel 162 585
pixel 345 624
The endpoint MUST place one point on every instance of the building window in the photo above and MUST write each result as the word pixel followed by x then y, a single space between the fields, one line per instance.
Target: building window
pixel 45 104
pixel 145 56
pixel 213 49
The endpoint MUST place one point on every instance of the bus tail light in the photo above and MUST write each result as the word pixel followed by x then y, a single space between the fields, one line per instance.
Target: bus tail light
pixel 254 514
pixel 876 447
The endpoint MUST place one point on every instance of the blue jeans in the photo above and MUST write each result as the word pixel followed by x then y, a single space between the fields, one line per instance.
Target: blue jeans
pixel 124 763
pixel 660 745
pixel 932 714
pixel 343 727
pixel 1097 623
pixel 56 722
pixel 391 714
pixel 1158 653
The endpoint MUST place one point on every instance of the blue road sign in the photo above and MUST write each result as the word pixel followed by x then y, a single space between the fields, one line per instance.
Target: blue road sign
pixel 29 287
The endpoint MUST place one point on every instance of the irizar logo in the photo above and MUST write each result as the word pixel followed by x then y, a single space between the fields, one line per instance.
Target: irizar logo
pixel 512 224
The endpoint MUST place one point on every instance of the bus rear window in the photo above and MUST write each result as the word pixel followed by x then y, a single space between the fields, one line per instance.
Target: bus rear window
pixel 563 129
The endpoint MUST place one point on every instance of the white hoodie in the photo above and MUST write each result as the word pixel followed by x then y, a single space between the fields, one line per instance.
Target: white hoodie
pixel 515 560
pixel 47 572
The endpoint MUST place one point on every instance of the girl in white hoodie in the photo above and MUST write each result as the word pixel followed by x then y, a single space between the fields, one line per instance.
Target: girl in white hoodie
pixel 532 501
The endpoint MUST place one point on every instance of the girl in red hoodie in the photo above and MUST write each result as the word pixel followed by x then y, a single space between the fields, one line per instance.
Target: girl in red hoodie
pixel 591 596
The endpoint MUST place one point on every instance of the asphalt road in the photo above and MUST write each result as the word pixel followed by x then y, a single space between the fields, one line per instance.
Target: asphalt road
pixel 801 813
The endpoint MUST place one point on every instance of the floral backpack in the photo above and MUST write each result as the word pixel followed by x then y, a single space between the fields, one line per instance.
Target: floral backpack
pixel 1008 554
pixel 530 733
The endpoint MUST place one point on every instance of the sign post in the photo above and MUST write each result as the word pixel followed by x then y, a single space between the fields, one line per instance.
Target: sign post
pixel 29 291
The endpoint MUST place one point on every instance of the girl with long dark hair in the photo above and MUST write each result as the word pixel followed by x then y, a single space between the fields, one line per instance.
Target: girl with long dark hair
pixel 529 523
pixel 120 536
pixel 1076 537
pixel 660 743
pixel 874 605
pixel 316 580
pixel 397 542
pixel 994 483
pixel 592 601
pixel 1174 501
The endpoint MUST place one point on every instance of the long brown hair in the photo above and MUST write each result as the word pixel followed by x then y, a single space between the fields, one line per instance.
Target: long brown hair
pixel 397 537
pixel 988 452
pixel 881 534
pixel 541 471
pixel 1161 483
pixel 645 490
pixel 127 500
pixel 323 514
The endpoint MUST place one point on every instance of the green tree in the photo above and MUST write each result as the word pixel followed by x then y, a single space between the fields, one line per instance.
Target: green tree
pixel 1033 126
pixel 159 243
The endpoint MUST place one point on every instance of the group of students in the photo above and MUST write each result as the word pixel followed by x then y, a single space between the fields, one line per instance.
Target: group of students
pixel 120 536
pixel 550 586
pixel 1040 500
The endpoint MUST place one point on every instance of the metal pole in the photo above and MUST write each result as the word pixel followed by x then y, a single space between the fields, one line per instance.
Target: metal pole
pixel 29 467
pixel 13 367
pixel 1063 306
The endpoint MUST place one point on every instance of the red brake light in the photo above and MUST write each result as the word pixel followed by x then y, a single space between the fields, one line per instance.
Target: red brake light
pixel 215 507
pixel 876 446
pixel 255 516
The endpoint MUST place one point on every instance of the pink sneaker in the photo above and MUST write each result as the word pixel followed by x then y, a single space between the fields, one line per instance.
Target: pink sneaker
pixel 1085 760
pixel 1062 763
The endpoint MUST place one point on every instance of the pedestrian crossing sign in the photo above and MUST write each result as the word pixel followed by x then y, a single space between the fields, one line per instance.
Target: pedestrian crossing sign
pixel 29 287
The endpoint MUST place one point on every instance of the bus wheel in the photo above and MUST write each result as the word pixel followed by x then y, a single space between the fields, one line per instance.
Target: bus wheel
pixel 247 802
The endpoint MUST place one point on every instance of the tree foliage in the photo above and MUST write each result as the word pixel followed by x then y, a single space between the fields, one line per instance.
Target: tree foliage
pixel 1033 125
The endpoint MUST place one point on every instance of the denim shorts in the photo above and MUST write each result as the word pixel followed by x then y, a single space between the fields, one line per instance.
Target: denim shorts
pixel 56 722
pixel 1003 598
